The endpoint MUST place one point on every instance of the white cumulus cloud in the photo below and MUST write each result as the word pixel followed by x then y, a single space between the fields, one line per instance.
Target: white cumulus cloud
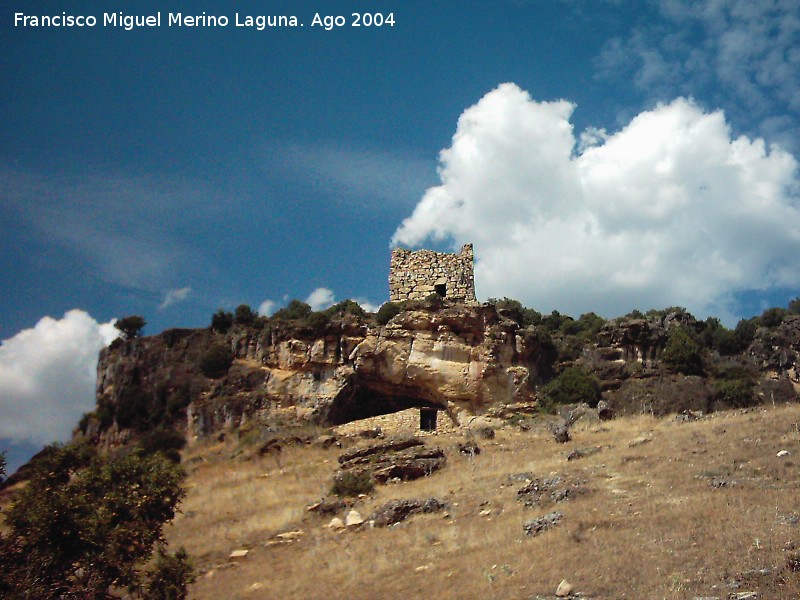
pixel 320 299
pixel 175 296
pixel 668 210
pixel 267 307
pixel 47 376
pixel 367 305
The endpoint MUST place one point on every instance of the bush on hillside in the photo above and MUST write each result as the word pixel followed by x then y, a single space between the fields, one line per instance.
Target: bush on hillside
pixel 222 321
pixel 525 317
pixel 387 312
pixel 347 483
pixel 573 385
pixel 216 361
pixel 346 307
pixel 133 408
pixel 168 442
pixel 682 353
pixel 295 310
pixel 244 315
pixel 131 327
pixel 735 393
pixel 172 573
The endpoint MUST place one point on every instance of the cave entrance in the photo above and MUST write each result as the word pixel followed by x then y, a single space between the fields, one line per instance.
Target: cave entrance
pixel 362 401
pixel 427 419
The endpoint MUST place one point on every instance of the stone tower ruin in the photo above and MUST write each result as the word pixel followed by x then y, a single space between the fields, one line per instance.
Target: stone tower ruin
pixel 417 275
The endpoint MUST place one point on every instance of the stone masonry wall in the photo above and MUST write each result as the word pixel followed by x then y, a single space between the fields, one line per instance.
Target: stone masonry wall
pixel 417 275
pixel 405 422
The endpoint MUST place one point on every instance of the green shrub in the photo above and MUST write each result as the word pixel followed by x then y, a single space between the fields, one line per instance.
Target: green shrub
pixel 177 401
pixel 244 315
pixel 589 326
pixel 133 408
pixel 317 322
pixel 745 332
pixel 525 317
pixel 105 412
pixel 346 307
pixel 735 393
pixel 172 573
pixel 347 483
pixel 295 310
pixel 570 348
pixel 221 321
pixel 216 361
pixel 260 322
pixel 3 465
pixel 554 321
pixel 772 317
pixel 573 385
pixel 682 353
pixel 165 440
pixel 387 312
pixel 85 523
pixel 131 327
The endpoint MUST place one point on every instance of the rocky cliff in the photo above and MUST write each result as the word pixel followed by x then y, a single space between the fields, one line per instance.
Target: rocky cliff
pixel 454 357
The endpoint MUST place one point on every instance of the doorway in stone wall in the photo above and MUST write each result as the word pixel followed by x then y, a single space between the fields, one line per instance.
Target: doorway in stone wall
pixel 427 419
pixel 440 287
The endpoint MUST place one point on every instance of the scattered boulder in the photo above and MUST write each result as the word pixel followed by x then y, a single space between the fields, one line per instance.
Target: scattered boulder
pixel 689 415
pixel 372 434
pixel 482 427
pixel 540 524
pixel 395 511
pixel 547 490
pixel 327 506
pixel 564 589
pixel 527 476
pixel 405 459
pixel 326 441
pixel 393 445
pixel 470 448
pixel 582 452
pixel 287 537
pixel 486 433
pixel 561 433
pixel 336 524
pixel 353 519
pixel 237 554
pixel 569 416
pixel 640 441
pixel 604 411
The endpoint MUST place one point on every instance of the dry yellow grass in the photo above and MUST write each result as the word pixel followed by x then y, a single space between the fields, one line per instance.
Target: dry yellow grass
pixel 651 524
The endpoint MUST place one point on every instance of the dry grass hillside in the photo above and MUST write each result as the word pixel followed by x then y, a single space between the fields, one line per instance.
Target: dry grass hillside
pixel 655 508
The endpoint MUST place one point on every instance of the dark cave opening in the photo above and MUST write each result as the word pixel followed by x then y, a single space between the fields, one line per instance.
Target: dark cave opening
pixel 362 402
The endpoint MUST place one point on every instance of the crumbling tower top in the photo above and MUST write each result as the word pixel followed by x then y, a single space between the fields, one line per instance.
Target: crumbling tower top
pixel 417 275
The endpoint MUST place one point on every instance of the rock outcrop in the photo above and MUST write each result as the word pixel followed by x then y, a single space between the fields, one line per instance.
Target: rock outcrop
pixel 453 358
pixel 461 359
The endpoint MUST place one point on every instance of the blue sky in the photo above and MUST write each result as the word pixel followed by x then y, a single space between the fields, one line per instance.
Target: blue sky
pixel 592 151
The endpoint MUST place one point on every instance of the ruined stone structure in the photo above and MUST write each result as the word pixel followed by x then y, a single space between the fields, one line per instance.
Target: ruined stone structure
pixel 417 275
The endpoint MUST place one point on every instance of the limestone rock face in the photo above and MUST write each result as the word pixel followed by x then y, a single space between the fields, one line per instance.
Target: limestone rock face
pixel 457 357
pixel 777 352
